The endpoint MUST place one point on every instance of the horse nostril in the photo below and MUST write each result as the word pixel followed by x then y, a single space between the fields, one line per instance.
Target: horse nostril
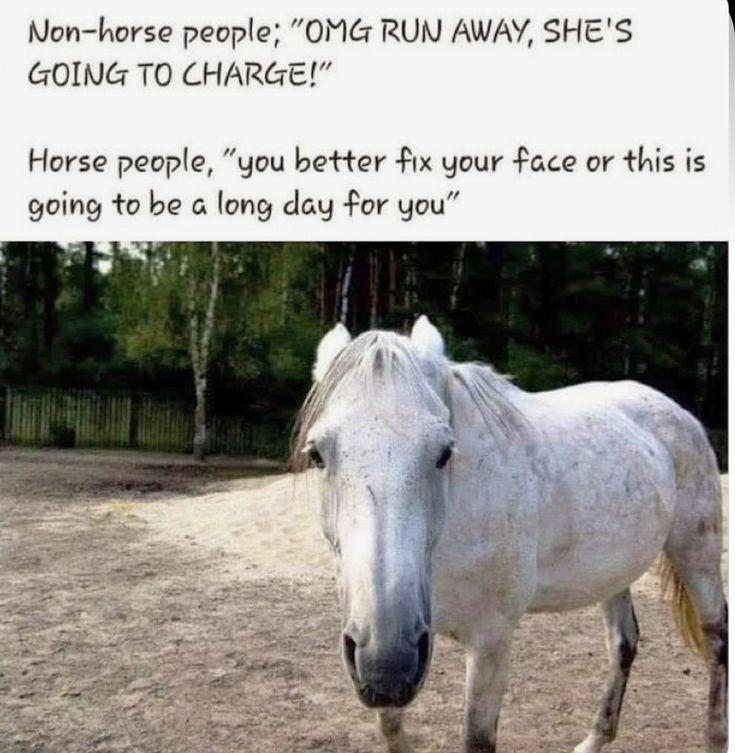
pixel 349 647
pixel 424 654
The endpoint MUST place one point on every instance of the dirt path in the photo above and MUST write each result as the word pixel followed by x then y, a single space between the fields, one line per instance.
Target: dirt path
pixel 150 605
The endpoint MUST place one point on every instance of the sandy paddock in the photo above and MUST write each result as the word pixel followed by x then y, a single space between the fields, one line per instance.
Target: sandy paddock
pixel 155 606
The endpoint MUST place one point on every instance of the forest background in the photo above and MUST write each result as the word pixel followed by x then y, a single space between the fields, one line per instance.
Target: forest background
pixel 226 332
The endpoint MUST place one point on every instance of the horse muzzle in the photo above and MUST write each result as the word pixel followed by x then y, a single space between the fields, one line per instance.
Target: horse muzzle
pixel 387 675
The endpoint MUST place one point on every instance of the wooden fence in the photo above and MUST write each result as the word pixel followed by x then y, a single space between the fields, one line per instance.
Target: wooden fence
pixel 89 418
pixel 50 417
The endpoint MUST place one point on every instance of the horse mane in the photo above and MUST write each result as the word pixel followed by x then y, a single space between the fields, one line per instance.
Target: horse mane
pixel 488 391
pixel 378 357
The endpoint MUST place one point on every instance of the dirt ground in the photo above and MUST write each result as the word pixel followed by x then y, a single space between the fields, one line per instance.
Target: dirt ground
pixel 151 605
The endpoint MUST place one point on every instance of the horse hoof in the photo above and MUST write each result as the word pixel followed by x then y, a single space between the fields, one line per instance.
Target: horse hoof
pixel 589 745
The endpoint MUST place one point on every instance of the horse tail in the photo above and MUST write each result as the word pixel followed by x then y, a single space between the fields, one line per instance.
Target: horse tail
pixel 683 609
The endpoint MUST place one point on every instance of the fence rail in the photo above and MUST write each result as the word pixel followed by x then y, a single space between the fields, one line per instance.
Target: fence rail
pixel 89 418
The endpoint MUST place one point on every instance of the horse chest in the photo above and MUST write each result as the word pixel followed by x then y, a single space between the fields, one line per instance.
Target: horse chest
pixel 484 565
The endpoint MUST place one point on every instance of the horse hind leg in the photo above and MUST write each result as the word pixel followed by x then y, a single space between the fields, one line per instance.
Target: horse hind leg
pixel 717 639
pixel 700 608
pixel 621 633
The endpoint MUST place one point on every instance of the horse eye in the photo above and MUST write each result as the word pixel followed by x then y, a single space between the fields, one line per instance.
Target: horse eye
pixel 444 457
pixel 316 459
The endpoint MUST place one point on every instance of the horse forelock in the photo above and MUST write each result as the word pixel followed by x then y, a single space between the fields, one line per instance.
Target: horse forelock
pixel 380 360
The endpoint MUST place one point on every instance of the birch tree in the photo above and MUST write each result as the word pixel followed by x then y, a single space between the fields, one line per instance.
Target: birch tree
pixel 345 291
pixel 203 278
pixel 457 272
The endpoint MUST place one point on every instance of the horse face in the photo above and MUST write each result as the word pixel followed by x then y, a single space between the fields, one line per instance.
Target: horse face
pixel 383 485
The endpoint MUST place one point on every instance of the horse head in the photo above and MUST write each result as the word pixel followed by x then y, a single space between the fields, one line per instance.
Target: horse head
pixel 376 428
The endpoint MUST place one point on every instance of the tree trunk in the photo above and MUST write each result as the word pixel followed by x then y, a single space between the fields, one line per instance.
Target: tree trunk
pixel 392 281
pixel 200 418
pixel 51 288
pixel 200 336
pixel 634 294
pixel 457 271
pixel 706 360
pixel 715 406
pixel 89 294
pixel 284 287
pixel 114 252
pixel 322 289
pixel 29 295
pixel 407 282
pixel 374 280
pixel 552 279
pixel 338 287
pixel 345 294
pixel 410 290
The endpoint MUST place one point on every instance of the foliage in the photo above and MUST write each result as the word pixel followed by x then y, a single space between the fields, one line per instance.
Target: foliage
pixel 113 315
pixel 534 370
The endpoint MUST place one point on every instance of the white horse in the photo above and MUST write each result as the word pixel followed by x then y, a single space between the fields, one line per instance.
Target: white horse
pixel 455 502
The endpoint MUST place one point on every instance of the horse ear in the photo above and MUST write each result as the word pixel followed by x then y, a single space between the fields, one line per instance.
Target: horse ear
pixel 330 346
pixel 425 336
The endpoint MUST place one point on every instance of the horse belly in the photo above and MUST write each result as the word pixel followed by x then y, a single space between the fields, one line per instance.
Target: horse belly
pixel 602 531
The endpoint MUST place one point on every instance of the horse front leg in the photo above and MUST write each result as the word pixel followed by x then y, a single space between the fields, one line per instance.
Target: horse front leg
pixel 390 724
pixel 487 679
